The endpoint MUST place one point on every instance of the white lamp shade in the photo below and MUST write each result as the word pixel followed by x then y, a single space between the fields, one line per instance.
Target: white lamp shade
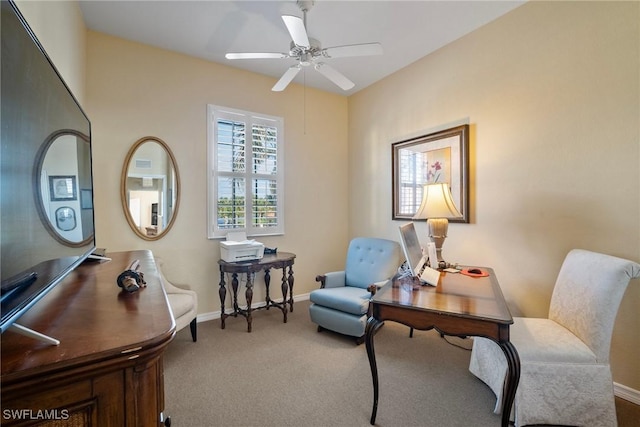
pixel 437 202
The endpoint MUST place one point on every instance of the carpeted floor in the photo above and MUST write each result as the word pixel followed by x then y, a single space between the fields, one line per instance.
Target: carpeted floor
pixel 291 375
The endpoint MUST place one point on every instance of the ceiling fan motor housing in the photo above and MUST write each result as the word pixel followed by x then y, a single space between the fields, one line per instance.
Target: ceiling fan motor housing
pixel 306 55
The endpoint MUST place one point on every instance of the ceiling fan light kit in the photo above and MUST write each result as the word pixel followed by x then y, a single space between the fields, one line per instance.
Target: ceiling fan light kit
pixel 307 51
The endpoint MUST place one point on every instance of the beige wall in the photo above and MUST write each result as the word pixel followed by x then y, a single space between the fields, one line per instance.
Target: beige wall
pixel 551 91
pixel 135 90
pixel 60 28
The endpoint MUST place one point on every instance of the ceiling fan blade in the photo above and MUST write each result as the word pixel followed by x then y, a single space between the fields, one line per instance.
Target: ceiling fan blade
pixel 256 55
pixel 364 49
pixel 298 33
pixel 286 78
pixel 334 75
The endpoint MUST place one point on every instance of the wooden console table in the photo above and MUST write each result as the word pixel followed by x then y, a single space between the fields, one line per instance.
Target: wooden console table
pixel 459 305
pixel 107 370
pixel 280 260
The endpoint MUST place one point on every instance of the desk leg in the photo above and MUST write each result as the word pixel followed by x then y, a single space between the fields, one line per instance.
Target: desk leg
pixel 249 295
pixel 223 295
pixel 512 380
pixel 284 287
pixel 372 327
pixel 291 288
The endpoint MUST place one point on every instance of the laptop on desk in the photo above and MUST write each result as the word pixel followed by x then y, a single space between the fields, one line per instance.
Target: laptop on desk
pixel 415 258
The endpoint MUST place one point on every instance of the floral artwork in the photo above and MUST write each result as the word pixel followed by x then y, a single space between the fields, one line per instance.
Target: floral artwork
pixel 438 165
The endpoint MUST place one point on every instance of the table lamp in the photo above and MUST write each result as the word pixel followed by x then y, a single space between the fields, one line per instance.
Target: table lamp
pixel 437 207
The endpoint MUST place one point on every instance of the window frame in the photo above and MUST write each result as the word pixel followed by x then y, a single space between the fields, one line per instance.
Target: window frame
pixel 215 114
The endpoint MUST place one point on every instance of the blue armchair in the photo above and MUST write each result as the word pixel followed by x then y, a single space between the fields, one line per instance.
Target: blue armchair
pixel 342 302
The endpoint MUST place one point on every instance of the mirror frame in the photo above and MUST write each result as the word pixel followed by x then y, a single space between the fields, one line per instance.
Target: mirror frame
pixel 123 187
pixel 37 185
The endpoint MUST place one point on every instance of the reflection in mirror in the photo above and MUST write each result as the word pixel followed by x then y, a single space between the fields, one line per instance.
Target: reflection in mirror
pixel 150 186
pixel 64 192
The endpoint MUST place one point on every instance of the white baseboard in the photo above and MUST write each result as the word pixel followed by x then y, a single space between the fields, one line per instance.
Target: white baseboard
pixel 621 391
pixel 626 393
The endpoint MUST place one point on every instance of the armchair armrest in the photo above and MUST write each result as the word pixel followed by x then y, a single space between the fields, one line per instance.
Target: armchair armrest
pixel 333 279
pixel 373 288
pixel 174 288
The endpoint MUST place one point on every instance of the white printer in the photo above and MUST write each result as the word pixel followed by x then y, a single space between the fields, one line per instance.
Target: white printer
pixel 237 248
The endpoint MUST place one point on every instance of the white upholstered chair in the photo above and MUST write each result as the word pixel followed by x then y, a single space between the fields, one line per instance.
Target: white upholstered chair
pixel 565 374
pixel 183 303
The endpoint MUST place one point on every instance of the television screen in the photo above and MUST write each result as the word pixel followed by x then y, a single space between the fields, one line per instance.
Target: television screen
pixel 46 188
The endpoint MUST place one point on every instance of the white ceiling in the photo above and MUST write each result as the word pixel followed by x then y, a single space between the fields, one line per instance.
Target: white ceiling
pixel 407 30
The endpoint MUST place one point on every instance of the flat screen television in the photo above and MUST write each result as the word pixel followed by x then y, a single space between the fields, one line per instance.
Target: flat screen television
pixel 46 183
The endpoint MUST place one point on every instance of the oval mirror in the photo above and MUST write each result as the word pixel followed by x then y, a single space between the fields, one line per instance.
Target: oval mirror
pixel 150 188
pixel 62 177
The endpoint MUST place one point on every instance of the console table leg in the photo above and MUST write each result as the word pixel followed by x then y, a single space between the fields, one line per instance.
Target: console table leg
pixel 372 327
pixel 234 286
pixel 290 288
pixel 284 286
pixel 223 295
pixel 267 282
pixel 249 295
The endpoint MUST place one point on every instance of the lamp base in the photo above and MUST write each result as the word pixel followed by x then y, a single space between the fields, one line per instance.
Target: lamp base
pixel 438 228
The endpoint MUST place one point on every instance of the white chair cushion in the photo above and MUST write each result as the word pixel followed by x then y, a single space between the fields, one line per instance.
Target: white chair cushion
pixel 543 340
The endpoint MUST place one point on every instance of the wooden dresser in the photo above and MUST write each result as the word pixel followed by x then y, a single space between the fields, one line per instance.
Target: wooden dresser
pixel 107 370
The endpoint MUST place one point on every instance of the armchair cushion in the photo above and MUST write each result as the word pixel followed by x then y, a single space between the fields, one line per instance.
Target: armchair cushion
pixel 348 299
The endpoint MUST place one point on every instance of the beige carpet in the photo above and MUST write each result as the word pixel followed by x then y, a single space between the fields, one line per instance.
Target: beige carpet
pixel 291 375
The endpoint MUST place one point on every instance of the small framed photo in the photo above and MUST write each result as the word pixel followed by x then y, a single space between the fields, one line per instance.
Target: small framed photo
pixel 86 198
pixel 63 188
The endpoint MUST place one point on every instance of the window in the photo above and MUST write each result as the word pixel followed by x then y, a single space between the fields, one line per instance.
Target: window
pixel 246 172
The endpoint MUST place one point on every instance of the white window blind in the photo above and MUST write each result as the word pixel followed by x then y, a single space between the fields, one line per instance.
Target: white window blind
pixel 246 174
pixel 413 176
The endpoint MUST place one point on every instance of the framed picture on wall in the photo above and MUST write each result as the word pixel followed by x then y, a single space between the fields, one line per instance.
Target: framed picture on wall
pixel 62 188
pixel 86 199
pixel 428 159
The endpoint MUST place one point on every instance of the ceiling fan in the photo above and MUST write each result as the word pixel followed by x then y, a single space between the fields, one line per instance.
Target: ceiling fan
pixel 309 52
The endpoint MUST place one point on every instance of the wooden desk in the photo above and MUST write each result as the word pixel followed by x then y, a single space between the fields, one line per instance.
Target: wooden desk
pixel 281 260
pixel 460 305
pixel 108 368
